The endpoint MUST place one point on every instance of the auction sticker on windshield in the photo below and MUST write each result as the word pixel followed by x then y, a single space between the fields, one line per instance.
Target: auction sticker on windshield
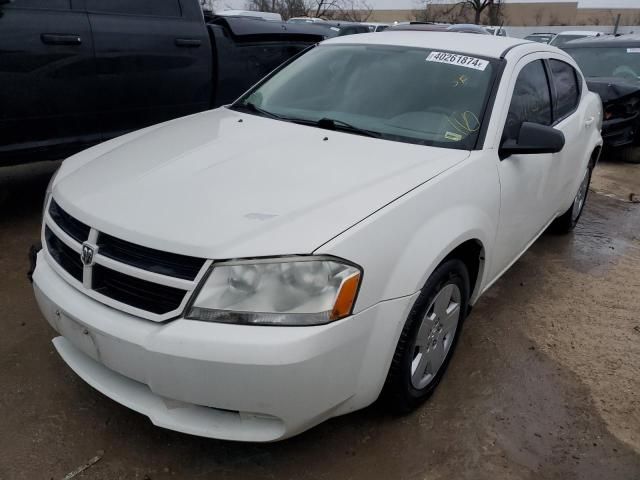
pixel 456 59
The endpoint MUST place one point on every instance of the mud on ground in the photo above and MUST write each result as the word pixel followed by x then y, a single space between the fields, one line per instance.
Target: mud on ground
pixel 545 383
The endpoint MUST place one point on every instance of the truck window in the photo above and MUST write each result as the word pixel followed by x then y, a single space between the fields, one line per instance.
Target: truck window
pixel 48 4
pixel 159 8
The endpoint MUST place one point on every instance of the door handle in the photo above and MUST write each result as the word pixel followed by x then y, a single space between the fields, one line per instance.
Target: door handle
pixel 589 121
pixel 188 42
pixel 61 39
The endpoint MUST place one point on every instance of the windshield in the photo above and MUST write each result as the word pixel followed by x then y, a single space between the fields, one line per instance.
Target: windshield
pixel 403 94
pixel 621 62
pixel 561 40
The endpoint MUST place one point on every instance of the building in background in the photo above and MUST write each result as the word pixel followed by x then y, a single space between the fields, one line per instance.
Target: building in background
pixel 514 12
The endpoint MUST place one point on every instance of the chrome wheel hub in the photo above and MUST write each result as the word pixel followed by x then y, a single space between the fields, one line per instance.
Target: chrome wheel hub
pixel 435 335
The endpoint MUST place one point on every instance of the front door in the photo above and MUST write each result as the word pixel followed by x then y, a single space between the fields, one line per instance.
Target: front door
pixel 529 183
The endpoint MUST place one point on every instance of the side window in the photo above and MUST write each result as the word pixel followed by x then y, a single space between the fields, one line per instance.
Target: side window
pixel 565 81
pixel 46 4
pixel 160 8
pixel 531 101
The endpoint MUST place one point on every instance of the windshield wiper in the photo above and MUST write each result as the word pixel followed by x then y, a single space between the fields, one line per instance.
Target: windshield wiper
pixel 253 108
pixel 326 123
pixel 340 125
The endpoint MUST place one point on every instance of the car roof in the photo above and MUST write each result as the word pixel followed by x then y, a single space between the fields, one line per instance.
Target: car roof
pixel 628 40
pixel 581 32
pixel 467 43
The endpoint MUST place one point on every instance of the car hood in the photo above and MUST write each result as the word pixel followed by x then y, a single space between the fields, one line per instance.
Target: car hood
pixel 613 89
pixel 223 184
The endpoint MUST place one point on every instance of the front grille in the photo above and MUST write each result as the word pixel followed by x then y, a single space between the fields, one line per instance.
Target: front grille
pixel 138 293
pixel 72 227
pixel 66 257
pixel 158 286
pixel 157 261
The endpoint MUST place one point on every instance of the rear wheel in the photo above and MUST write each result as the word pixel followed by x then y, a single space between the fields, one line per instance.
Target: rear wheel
pixel 569 219
pixel 429 337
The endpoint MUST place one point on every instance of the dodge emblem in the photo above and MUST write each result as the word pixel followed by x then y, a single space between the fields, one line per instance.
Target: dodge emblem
pixel 87 255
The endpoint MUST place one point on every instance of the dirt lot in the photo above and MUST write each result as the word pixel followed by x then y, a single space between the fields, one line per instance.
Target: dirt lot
pixel 545 383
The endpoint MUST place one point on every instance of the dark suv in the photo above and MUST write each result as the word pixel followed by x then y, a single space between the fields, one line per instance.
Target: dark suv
pixel 611 65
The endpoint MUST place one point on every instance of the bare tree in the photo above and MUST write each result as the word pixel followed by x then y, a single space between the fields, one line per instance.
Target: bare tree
pixel 496 16
pixel 538 17
pixel 286 8
pixel 437 11
pixel 349 10
pixel 477 6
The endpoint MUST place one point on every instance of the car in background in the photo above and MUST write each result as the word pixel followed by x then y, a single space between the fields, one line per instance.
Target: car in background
pixel 376 27
pixel 248 272
pixel 345 28
pixel 498 31
pixel 306 20
pixel 563 37
pixel 611 65
pixel 439 27
pixel 540 37
pixel 269 16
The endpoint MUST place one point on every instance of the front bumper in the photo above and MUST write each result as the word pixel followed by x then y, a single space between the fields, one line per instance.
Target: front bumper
pixel 621 132
pixel 234 382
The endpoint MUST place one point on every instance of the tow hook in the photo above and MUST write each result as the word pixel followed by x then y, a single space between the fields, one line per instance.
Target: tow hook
pixel 33 255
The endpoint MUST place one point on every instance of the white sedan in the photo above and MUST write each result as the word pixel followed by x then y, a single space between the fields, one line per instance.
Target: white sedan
pixel 249 272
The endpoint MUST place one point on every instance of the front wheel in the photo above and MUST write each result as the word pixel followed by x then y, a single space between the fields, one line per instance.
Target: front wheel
pixel 566 222
pixel 429 337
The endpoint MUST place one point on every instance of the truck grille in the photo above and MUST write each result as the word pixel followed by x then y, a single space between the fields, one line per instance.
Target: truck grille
pixel 72 227
pixel 66 257
pixel 139 280
pixel 180 266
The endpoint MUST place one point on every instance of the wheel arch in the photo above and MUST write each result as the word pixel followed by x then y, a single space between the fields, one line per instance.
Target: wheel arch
pixel 472 254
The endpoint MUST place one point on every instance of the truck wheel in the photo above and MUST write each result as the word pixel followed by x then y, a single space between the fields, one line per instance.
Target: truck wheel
pixel 428 338
pixel 630 154
pixel 566 222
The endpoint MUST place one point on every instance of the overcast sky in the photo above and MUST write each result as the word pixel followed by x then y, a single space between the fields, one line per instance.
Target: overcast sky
pixel 410 4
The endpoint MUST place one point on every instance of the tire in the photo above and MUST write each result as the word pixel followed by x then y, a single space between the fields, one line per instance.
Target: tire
pixel 566 222
pixel 405 387
pixel 630 154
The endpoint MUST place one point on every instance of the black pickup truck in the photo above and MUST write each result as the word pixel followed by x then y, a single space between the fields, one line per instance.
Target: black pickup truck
pixel 74 73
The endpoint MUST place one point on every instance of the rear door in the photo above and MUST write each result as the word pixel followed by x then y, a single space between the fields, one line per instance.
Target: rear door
pixel 153 60
pixel 47 74
pixel 571 117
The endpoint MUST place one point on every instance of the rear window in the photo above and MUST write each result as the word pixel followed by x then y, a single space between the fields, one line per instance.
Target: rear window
pixel 565 81
pixel 160 8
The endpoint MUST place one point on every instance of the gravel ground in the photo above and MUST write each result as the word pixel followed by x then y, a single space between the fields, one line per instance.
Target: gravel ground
pixel 545 383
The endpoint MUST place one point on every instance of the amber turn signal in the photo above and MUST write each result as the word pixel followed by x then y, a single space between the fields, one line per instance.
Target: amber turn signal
pixel 346 297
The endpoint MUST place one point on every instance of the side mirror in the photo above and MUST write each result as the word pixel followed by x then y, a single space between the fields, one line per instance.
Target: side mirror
pixel 533 139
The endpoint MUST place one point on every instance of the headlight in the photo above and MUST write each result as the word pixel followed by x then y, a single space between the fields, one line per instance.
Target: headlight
pixel 47 194
pixel 285 291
